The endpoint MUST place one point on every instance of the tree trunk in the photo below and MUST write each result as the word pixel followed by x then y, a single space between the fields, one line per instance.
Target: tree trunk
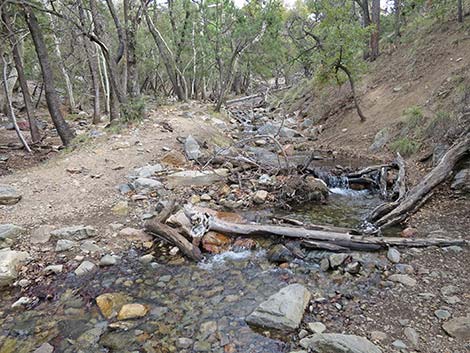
pixel 65 74
pixel 53 102
pixel 397 6
pixel 353 89
pixel 421 192
pixel 375 35
pixel 459 11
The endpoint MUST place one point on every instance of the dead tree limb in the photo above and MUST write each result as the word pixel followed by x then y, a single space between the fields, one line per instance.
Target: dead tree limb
pixel 414 199
pixel 346 240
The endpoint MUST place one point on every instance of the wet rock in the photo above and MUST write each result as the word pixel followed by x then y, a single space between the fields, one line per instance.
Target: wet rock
pixel 53 269
pixel 279 253
pixel 74 233
pixel 393 255
pixel 283 310
pixel 353 268
pixel 245 243
pixel 184 342
pixel 461 181
pixel 208 328
pixel 90 338
pixel 442 314
pixel 84 268
pixel 337 260
pixel 148 170
pixel 9 232
pixel 202 346
pixel 403 279
pixel 196 177
pixel 111 303
pixel 10 260
pixel 121 208
pixel 215 243
pixel 64 245
pixel 132 311
pixel 409 232
pixel 109 260
pixel 458 327
pixel 325 264
pixel 260 196
pixel 412 336
pixel 44 348
pixel 8 195
pixel 147 183
pixel 174 159
pixel 316 327
pixel 146 259
pixel 338 343
pixel 22 302
pixel 191 148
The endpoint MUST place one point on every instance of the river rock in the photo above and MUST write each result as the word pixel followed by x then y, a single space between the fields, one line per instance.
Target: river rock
pixel 84 268
pixel 316 327
pixel 56 269
pixel 174 159
pixel 74 232
pixel 147 183
pixel 8 232
pixel 442 314
pixel 380 140
pixel 44 348
pixel 64 245
pixel 196 177
pixel 215 243
pixel 338 343
pixel 458 327
pixel 121 208
pixel 274 129
pixel 461 181
pixel 191 148
pixel 279 253
pixel 148 170
pixel 109 260
pixel 184 342
pixel 10 260
pixel 403 279
pixel 132 311
pixel 393 255
pixel 8 195
pixel 111 303
pixel 337 260
pixel 41 234
pixel 283 310
pixel 260 196
pixel 412 336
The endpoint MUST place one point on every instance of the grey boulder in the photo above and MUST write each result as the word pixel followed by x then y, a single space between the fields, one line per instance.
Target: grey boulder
pixel 338 343
pixel 8 232
pixel 10 260
pixel 74 232
pixel 283 310
pixel 8 195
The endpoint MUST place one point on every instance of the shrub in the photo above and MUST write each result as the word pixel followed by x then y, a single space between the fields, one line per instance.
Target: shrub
pixel 405 146
pixel 133 110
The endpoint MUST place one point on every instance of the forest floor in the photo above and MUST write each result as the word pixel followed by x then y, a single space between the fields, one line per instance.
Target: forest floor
pixel 81 187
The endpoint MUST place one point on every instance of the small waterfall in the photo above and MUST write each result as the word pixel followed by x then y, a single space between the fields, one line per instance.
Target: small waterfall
pixel 333 181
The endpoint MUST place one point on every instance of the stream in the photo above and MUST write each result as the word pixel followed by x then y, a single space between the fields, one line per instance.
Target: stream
pixel 194 307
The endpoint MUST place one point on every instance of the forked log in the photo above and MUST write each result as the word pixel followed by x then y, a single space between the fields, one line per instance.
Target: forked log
pixel 414 198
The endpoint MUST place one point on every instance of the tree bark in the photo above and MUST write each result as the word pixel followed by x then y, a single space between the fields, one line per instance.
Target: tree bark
pixel 53 102
pixel 353 89
pixel 420 193
pixel 459 11
pixel 375 35
pixel 397 5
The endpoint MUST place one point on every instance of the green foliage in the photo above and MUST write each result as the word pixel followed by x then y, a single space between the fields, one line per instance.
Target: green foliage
pixel 133 110
pixel 414 117
pixel 405 146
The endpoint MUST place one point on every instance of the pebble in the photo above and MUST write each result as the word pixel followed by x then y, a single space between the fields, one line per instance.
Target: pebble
pixel 399 344
pixel 316 327
pixel 442 314
pixel 393 255
pixel 412 336
pixel 146 259
pixel 403 279
pixel 53 269
pixel 378 336
pixel 44 348
pixel 184 342
pixel 260 196
pixel 109 260
pixel 84 268
pixel 132 311
pixel 64 245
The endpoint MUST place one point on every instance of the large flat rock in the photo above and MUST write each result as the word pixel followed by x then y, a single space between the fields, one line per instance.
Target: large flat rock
pixel 9 262
pixel 338 343
pixel 283 310
pixel 196 177
pixel 74 233
pixel 8 195
pixel 458 327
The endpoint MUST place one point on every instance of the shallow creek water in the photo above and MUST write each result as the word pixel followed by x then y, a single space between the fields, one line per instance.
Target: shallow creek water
pixel 206 302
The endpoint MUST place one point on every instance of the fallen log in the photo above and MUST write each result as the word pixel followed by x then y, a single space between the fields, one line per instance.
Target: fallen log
pixel 174 237
pixel 414 198
pixel 347 240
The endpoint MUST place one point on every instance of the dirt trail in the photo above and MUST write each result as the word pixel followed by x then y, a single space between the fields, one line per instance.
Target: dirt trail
pixel 55 193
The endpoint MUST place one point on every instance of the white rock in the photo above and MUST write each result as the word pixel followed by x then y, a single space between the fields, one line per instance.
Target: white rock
pixel 74 232
pixel 393 255
pixel 84 268
pixel 10 260
pixel 316 327
pixel 338 343
pixel 260 196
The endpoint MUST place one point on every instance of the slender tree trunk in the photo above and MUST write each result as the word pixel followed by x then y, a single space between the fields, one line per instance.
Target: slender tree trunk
pixel 53 102
pixel 459 11
pixel 375 35
pixel 104 79
pixel 397 18
pixel 114 113
pixel 33 127
pixel 63 69
pixel 353 89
